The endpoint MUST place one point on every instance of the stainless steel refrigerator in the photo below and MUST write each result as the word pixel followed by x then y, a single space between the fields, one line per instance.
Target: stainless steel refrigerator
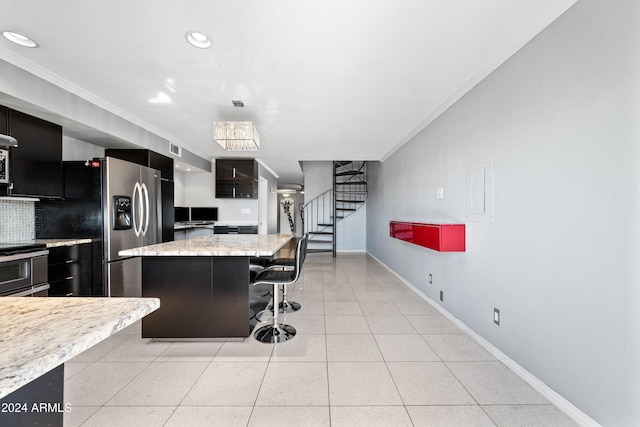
pixel 132 217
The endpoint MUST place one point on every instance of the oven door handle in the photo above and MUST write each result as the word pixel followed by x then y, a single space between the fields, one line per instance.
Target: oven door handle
pixel 23 255
pixel 31 291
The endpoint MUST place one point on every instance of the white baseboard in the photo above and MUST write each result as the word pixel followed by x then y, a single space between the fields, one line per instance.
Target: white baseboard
pixel 551 395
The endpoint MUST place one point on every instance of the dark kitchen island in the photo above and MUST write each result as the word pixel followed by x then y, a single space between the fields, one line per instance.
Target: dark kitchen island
pixel 203 284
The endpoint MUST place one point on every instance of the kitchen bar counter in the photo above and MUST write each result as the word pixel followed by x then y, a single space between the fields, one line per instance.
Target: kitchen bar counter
pixel 54 243
pixel 203 284
pixel 216 245
pixel 39 334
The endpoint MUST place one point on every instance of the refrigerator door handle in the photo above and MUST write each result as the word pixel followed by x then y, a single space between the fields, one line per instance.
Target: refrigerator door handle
pixel 138 213
pixel 145 192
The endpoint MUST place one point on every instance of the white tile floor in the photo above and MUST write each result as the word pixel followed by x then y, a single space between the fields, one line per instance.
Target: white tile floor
pixel 369 352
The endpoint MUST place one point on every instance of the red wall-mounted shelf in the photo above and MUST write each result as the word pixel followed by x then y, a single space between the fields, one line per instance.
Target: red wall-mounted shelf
pixel 439 237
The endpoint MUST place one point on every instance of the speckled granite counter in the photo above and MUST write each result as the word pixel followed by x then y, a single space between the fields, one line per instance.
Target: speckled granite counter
pixel 54 243
pixel 216 245
pixel 39 334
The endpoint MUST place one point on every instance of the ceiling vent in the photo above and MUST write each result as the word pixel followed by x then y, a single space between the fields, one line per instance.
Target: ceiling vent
pixel 175 149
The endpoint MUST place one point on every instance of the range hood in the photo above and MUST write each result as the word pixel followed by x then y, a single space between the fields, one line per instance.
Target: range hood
pixel 8 141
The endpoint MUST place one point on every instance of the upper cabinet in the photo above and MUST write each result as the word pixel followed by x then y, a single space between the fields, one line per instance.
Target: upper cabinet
pixel 236 179
pixel 4 120
pixel 36 163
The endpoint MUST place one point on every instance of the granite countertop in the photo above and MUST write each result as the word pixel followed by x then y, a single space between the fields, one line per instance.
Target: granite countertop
pixel 39 334
pixel 52 243
pixel 216 245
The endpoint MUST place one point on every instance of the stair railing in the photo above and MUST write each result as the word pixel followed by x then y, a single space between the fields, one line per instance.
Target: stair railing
pixel 317 212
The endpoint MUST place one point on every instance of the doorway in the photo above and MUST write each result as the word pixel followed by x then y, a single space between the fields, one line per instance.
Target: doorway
pixel 263 200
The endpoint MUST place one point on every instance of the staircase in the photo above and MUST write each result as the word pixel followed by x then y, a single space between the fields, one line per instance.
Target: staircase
pixel 320 215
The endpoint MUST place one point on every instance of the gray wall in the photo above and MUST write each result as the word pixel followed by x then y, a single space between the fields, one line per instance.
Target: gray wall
pixel 561 120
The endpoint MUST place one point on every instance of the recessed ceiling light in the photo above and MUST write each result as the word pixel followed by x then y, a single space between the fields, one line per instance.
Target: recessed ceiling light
pixel 161 98
pixel 198 40
pixel 20 39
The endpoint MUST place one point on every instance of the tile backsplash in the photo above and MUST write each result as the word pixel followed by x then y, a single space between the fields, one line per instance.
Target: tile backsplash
pixel 17 220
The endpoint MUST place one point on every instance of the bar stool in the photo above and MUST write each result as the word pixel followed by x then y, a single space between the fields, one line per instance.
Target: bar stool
pixel 283 264
pixel 276 331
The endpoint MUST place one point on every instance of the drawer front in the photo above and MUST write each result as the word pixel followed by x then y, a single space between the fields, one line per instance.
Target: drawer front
pixel 71 287
pixel 63 271
pixel 62 254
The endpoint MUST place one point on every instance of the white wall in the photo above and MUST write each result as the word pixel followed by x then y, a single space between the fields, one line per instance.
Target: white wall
pixel 318 178
pixel 560 259
pixel 178 188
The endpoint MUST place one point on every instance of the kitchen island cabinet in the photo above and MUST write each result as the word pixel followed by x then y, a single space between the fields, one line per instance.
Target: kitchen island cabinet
pixel 203 284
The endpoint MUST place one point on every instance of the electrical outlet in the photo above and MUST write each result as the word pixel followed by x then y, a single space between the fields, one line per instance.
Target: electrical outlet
pixel 496 316
pixel 441 296
pixel 430 278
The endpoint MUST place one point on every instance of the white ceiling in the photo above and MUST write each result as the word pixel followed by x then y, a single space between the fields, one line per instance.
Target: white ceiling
pixel 324 80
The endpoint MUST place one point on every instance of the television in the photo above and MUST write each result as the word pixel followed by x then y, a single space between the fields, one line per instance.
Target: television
pixel 204 214
pixel 181 214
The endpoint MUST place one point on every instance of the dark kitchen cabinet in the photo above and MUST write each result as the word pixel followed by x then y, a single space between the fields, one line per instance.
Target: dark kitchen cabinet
pixel 71 270
pixel 36 164
pixel 236 179
pixel 4 120
pixel 202 297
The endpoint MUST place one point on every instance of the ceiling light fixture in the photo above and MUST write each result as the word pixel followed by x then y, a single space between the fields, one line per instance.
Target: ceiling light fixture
pixel 199 40
pixel 161 98
pixel 237 135
pixel 19 39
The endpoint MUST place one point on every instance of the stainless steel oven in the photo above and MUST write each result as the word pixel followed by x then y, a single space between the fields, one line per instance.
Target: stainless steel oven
pixel 24 272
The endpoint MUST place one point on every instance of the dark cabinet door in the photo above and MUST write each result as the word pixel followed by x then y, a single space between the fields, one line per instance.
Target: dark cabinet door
pixel 224 169
pixel 36 164
pixel 230 296
pixel 246 189
pixel 4 120
pixel 162 163
pixel 183 285
pixel 225 188
pixel 236 179
pixel 245 169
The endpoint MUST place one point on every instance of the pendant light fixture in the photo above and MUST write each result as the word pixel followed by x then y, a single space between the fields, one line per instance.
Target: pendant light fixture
pixel 237 135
